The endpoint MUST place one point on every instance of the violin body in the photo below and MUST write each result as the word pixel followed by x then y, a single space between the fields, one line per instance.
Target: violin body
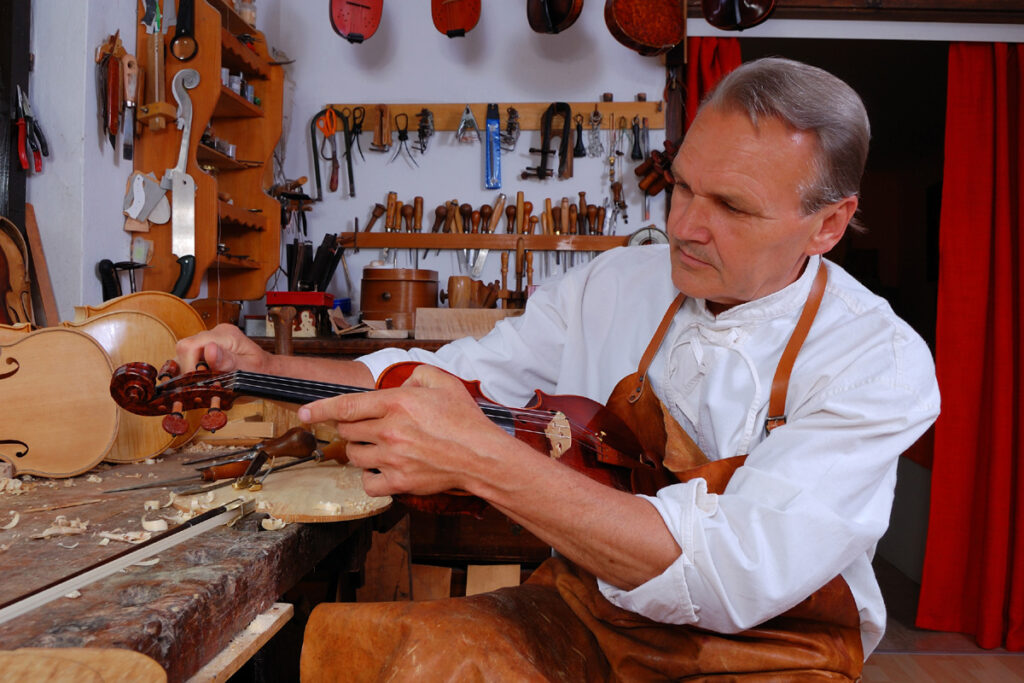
pixel 356 21
pixel 650 27
pixel 574 430
pixel 176 313
pixel 455 18
pixel 552 16
pixel 736 15
pixel 56 420
pixel 124 335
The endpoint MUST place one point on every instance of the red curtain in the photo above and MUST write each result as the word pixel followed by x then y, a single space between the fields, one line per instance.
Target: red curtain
pixel 974 563
pixel 708 59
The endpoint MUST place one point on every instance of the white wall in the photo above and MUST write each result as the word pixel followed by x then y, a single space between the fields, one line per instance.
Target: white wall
pixel 78 195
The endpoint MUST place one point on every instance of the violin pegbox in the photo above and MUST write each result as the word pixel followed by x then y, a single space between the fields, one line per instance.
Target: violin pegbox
pixel 140 389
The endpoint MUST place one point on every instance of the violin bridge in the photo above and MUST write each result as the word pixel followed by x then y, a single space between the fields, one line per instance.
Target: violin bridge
pixel 559 434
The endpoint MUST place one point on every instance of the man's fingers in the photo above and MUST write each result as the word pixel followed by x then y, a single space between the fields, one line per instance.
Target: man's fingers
pixel 344 408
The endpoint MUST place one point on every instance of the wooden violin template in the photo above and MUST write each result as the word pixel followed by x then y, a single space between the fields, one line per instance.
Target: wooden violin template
pixel 356 21
pixel 455 18
pixel 15 285
pixel 576 431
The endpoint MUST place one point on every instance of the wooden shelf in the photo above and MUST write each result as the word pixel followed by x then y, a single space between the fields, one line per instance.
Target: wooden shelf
pixel 505 242
pixel 238 57
pixel 229 18
pixel 208 156
pixel 231 105
pixel 235 263
pixel 447 115
pixel 240 216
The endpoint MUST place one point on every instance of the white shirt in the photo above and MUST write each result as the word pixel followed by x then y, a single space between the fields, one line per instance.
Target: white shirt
pixel 811 500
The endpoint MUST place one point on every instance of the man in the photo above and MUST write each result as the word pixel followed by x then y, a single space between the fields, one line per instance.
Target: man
pixel 765 182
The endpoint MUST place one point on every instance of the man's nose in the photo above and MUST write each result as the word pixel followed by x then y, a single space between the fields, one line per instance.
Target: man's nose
pixel 688 220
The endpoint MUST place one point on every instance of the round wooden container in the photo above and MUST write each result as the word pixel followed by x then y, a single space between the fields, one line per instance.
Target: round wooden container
pixel 396 293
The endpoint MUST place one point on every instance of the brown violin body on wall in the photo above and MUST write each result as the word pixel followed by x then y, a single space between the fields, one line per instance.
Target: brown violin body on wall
pixel 552 16
pixel 736 15
pixel 455 18
pixel 576 431
pixel 356 21
pixel 650 27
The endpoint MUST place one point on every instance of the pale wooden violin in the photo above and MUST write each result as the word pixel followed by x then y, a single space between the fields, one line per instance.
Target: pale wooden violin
pixel 576 431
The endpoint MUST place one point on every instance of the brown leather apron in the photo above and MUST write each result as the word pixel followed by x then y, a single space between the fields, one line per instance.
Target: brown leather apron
pixel 558 625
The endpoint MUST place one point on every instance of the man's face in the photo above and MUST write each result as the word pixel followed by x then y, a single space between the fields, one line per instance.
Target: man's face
pixel 736 227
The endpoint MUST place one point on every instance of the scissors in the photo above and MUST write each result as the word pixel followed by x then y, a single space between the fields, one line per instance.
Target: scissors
pixel 327 124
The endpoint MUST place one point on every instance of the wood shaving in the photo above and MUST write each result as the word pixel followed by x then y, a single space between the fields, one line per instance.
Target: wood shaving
pixel 13 523
pixel 146 563
pixel 69 547
pixel 157 505
pixel 73 594
pixel 104 541
pixel 94 479
pixel 128 536
pixel 4 547
pixel 68 483
pixel 11 486
pixel 154 524
pixel 64 527
pixel 327 506
pixel 273 524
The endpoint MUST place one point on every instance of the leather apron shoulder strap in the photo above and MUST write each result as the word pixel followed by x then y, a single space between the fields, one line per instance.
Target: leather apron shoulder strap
pixel 653 346
pixel 780 384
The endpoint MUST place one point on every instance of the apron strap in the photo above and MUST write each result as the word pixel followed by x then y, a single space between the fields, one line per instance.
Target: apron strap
pixel 652 347
pixel 780 384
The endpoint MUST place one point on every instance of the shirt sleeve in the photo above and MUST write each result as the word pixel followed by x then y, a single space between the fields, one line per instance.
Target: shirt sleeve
pixel 811 499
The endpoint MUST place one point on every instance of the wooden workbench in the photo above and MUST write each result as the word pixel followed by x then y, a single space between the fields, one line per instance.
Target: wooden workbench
pixel 181 611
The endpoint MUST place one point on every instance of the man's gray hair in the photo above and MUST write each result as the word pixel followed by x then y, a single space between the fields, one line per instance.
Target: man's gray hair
pixel 808 99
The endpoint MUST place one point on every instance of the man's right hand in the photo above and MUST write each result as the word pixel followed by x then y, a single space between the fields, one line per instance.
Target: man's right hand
pixel 225 348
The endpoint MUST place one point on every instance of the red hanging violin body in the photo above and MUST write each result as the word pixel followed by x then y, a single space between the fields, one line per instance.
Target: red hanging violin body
pixel 576 431
pixel 355 21
pixel 455 18
pixel 650 27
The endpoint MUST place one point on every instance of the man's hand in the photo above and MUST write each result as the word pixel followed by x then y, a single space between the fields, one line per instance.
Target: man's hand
pixel 427 436
pixel 225 348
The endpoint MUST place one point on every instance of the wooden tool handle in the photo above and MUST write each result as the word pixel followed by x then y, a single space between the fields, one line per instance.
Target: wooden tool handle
pixel 510 214
pixel 378 211
pixel 495 214
pixel 474 218
pixel 408 211
pixel 417 214
pixel 486 211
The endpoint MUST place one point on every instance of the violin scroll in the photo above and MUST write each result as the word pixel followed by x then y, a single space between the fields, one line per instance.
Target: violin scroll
pixel 140 389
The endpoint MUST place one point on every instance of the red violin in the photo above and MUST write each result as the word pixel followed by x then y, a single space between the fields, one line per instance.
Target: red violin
pixel 356 21
pixel 650 27
pixel 574 430
pixel 455 18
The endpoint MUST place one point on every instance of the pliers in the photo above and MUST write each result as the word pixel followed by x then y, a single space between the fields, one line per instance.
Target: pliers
pixel 31 141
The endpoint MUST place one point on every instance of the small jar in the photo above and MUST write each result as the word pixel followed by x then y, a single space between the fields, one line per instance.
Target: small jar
pixel 247 10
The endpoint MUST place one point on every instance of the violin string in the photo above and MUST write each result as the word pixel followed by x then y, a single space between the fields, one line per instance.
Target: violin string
pixel 311 389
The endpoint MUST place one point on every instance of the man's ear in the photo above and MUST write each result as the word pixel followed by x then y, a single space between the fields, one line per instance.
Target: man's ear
pixel 834 219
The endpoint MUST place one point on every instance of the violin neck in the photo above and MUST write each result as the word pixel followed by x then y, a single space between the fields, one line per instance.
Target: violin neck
pixel 287 388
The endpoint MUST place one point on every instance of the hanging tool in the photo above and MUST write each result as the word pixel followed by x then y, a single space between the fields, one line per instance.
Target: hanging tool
pixel 356 128
pixel 492 150
pixel 491 220
pixel 347 118
pixel 31 141
pixel 510 136
pixel 402 125
pixel 381 129
pixel 579 150
pixel 184 46
pixel 542 171
pixel 468 127
pixel 130 69
pixel 314 126
pixel 594 146
pixel 424 130
pixel 328 127
pixel 108 84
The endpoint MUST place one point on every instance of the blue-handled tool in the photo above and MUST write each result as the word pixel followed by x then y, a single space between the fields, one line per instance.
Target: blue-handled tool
pixel 492 148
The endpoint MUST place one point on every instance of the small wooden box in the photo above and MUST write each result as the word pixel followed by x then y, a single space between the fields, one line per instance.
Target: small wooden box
pixel 311 308
pixel 396 293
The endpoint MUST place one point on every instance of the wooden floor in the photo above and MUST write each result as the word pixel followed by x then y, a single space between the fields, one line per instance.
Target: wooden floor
pixel 911 655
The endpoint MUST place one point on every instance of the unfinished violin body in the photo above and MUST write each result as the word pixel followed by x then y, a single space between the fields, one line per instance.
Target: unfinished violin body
pixel 736 15
pixel 574 430
pixel 57 419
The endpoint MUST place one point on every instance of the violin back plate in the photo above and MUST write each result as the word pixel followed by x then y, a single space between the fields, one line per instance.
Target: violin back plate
pixel 58 419
pixel 650 27
pixel 356 21
pixel 130 336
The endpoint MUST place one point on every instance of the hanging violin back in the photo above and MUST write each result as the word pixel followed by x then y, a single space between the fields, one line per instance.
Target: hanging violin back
pixel 455 18
pixel 356 21
pixel 650 27
pixel 736 15
pixel 552 16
